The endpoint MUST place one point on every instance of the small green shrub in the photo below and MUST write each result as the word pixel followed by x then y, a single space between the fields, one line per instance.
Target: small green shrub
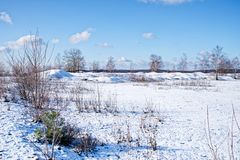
pixel 55 129
pixel 52 127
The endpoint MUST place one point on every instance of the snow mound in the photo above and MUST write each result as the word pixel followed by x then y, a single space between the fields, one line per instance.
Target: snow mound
pixel 225 78
pixel 58 74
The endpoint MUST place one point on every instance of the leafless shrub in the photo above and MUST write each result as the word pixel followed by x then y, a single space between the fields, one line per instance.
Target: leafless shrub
pixel 2 69
pixel 98 99
pixel 153 141
pixel 82 102
pixel 138 139
pixel 149 124
pixel 149 128
pixel 118 134
pixel 3 87
pixel 79 99
pixel 7 92
pixel 69 134
pixel 231 143
pixel 86 143
pixel 93 102
pixel 27 69
pixel 150 107
pixel 57 99
pixel 129 136
pixel 138 78
pixel 187 84
pixel 215 148
pixel 110 104
pixel 193 84
pixel 123 134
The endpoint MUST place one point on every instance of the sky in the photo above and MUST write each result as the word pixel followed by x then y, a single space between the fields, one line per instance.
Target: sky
pixel 124 29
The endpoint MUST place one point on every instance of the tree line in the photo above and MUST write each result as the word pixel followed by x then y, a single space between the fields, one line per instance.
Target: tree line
pixel 73 61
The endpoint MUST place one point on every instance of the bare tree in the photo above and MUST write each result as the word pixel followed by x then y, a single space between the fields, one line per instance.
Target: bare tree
pixel 225 65
pixel 235 65
pixel 27 69
pixel 74 61
pixel 204 60
pixel 110 66
pixel 155 63
pixel 95 66
pixel 216 59
pixel 182 65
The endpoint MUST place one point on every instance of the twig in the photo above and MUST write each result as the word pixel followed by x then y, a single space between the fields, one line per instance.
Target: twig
pixel 210 143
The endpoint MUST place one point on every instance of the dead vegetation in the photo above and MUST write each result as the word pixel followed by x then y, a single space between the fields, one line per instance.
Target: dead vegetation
pixel 228 143
pixel 90 99
pixel 186 84
pixel 28 75
pixel 145 134
pixel 3 87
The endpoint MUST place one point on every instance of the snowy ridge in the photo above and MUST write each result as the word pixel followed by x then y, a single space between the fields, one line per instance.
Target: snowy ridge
pixel 149 77
pixel 127 77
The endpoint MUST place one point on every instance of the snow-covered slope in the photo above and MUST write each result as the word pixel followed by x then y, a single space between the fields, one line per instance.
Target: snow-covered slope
pixel 57 74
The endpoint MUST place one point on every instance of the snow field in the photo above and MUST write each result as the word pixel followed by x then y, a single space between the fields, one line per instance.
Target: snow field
pixel 173 111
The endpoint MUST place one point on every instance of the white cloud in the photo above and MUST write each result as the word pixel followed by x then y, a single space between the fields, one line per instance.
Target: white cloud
pixel 105 45
pixel 148 35
pixel 5 17
pixel 169 2
pixel 22 41
pixel 81 36
pixel 19 42
pixel 123 63
pixel 55 40
pixel 124 60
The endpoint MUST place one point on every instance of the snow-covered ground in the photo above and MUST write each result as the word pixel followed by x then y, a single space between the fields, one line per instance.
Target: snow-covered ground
pixel 179 103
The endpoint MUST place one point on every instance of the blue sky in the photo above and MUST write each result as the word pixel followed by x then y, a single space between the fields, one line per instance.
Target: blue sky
pixel 125 28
